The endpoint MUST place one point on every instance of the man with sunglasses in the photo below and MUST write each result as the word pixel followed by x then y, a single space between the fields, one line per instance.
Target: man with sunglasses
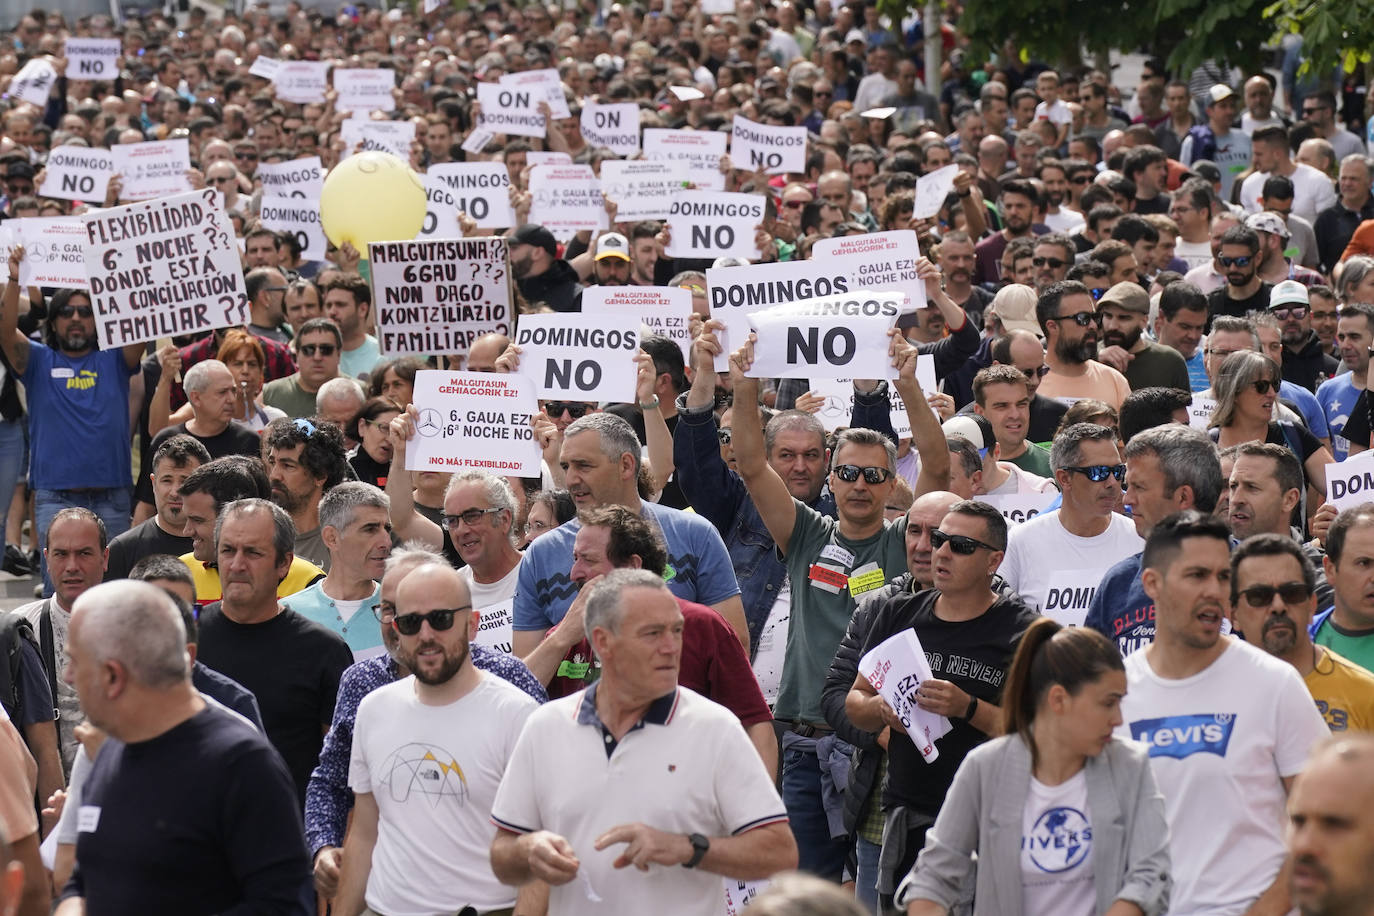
pixel 1238 261
pixel 1268 567
pixel 1056 560
pixel 319 346
pixel 1124 311
pixel 1319 110
pixel 1052 257
pixel 1305 361
pixel 1068 318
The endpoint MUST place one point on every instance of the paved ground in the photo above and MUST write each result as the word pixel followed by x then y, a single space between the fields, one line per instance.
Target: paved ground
pixel 15 591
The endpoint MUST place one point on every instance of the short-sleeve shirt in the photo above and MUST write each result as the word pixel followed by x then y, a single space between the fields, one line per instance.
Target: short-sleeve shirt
pixel 1344 693
pixel 1158 366
pixel 1338 397
pixel 18 782
pixel 79 419
pixel 1099 381
pixel 143 540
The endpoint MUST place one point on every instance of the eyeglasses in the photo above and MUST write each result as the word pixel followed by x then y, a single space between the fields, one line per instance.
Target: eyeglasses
pixel 724 435
pixel 1283 314
pixel 1081 179
pixel 440 619
pixel 1039 372
pixel 961 544
pixel 312 349
pixel 795 204
pixel 469 518
pixel 1241 261
pixel 557 408
pixel 1264 385
pixel 1100 472
pixel 384 611
pixel 537 527
pixel 1098 292
pixel 1263 595
pixel 872 476
pixel 246 155
pixel 75 311
pixel 1082 319
pixel 1055 263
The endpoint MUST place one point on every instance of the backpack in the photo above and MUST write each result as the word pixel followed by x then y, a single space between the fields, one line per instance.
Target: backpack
pixel 13 630
pixel 1204 142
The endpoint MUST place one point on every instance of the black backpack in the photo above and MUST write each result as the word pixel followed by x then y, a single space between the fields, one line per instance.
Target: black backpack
pixel 13 630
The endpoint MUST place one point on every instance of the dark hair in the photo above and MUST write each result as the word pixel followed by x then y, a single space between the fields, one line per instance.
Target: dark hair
pixel 405 367
pixel 1336 534
pixel 1089 268
pixel 1287 467
pixel 81 514
pixel 1132 228
pixel 228 479
pixel 667 357
pixel 1147 408
pixel 321 324
pixel 164 566
pixel 1274 134
pixel 323 454
pixel 1050 653
pixel 1186 456
pixel 1021 186
pixel 1165 540
pixel 997 374
pixel 1047 306
pixel 1179 296
pixel 372 408
pixel 181 450
pixel 559 502
pixel 1141 157
pixel 1241 235
pixel 55 304
pixel 1271 545
pixel 994 523
pixel 256 280
pixel 352 284
pixel 967 453
pixel 629 535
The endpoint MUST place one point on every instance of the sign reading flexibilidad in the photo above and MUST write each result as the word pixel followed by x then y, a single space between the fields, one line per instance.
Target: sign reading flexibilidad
pixel 474 420
pixel 773 149
pixel 299 216
pixel 714 224
pixel 439 295
pixel 580 357
pixel 78 173
pixel 662 310
pixel 479 189
pixel 510 111
pixel 828 337
pixel 54 251
pixel 566 200
pixel 163 268
pixel 154 169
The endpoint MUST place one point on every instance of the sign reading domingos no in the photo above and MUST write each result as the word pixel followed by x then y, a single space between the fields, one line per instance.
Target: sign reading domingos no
pixel 438 296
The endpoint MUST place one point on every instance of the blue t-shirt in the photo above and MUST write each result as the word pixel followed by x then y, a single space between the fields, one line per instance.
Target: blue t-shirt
pixel 1197 372
pixel 361 631
pixel 1308 406
pixel 1337 397
pixel 1120 609
pixel 698 567
pixel 79 419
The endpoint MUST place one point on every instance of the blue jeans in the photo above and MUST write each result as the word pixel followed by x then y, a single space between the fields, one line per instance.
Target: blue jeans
pixel 112 505
pixel 866 880
pixel 13 449
pixel 818 852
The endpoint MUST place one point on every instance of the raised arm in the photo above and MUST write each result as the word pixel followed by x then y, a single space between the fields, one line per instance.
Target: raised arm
pixel 400 487
pixel 767 489
pixel 15 344
pixel 926 433
pixel 656 434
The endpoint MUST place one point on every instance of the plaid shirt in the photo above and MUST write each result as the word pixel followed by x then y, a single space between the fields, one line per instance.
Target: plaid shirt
pixel 280 362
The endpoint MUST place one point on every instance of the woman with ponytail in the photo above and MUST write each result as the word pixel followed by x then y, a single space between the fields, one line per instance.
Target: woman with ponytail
pixel 1064 817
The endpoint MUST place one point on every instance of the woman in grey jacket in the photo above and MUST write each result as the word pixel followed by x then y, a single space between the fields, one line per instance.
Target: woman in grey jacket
pixel 1064 818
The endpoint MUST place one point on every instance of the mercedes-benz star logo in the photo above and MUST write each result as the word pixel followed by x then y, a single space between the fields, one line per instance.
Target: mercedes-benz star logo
pixel 430 422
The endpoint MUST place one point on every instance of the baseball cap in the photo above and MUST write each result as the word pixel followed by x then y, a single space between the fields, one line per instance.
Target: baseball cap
pixel 1265 221
pixel 538 236
pixel 855 35
pixel 1288 292
pixel 19 170
pixel 1014 306
pixel 612 245
pixel 1127 295
pixel 973 427
pixel 1219 92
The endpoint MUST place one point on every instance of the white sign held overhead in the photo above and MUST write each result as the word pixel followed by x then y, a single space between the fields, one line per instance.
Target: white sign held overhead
pixel 474 421
pixel 837 336
pixel 54 252
pixel 717 7
pixel 580 357
pixel 1350 483
pixel 163 268
pixel 566 199
pixel 537 157
pixel 895 243
pixel 697 152
pixel 479 189
pixel 300 216
pixel 895 668
pixel 295 178
pixel 838 408
pixel 362 90
pixel 78 173
pixel 33 82
pixel 662 310
pixel 686 93
pixel 714 224
pixel 641 188
pixel 773 149
pixel 303 82
pixel 154 169
pixel 508 110
pixel 265 67
pixel 614 127
pixel 92 58
pixel 477 140
pixel 931 191
pixel 363 134
pixel 546 86
pixel 438 296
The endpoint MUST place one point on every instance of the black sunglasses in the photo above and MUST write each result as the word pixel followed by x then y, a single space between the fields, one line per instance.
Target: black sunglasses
pixel 1294 311
pixel 1241 261
pixel 961 544
pixel 1082 319
pixel 312 349
pixel 556 408
pixel 1100 472
pixel 1055 263
pixel 872 476
pixel 79 311
pixel 1263 595
pixel 724 435
pixel 440 619
pixel 469 518
pixel 1040 372
pixel 1264 386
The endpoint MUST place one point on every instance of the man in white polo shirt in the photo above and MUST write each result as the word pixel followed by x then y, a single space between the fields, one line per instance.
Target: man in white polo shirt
pixel 635 770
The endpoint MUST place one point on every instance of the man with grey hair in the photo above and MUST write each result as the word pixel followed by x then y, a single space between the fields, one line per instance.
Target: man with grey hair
pixel 291 664
pixel 586 776
pixel 355 525
pixel 1168 469
pixel 230 837
pixel 338 402
pixel 213 395
pixel 1056 560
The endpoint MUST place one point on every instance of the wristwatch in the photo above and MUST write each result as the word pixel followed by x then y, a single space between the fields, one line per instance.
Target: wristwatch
pixel 972 709
pixel 651 405
pixel 699 846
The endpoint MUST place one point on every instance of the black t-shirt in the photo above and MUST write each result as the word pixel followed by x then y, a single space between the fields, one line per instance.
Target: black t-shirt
pixel 1218 303
pixel 199 820
pixel 143 540
pixel 369 469
pixel 971 654
pixel 436 515
pixel 292 665
pixel 1357 427
pixel 630 413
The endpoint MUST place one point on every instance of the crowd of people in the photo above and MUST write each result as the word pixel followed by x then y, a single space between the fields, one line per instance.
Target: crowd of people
pixel 270 668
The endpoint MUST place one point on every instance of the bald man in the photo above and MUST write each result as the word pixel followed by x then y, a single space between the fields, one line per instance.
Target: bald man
pixel 1331 829
pixel 483 352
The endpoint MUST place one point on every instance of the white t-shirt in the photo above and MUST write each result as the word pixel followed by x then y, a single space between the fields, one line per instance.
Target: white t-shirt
pixel 1220 741
pixel 434 771
pixel 1058 572
pixel 1058 113
pixel 1313 192
pixel 1066 221
pixel 494 600
pixel 772 647
pixel 1057 850
pixel 1194 254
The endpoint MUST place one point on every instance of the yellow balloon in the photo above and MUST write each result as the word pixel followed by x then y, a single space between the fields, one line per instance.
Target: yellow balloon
pixel 372 197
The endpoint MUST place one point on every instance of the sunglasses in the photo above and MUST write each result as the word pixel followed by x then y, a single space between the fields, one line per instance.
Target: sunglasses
pixel 321 349
pixel 1242 261
pixel 961 544
pixel 1264 386
pixel 724 436
pixel 245 155
pixel 1082 319
pixel 1081 179
pixel 469 518
pixel 1039 372
pixel 872 476
pixel 75 311
pixel 1263 595
pixel 1100 472
pixel 557 408
pixel 1296 311
pixel 1313 110
pixel 440 619
pixel 1055 263
pixel 795 204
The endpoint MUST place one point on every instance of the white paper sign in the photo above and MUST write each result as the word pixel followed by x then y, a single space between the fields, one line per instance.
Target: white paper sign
pixel 895 668
pixel 614 127
pixel 510 111
pixel 580 357
pixel 474 420
pixel 33 83
pixel 93 58
pixel 641 189
pixel 362 90
pixel 829 337
pixel 54 251
pixel 686 93
pixel 432 5
pixel 496 628
pixel 304 82
pixel 545 86
pixel 1200 412
pixel 299 216
pixel 1066 594
pixel 154 169
pixel 394 137
pixel 1018 507
pixel 662 310
pixel 695 153
pixel 714 224
pixel 163 268
pixel 265 67
pixel 895 243
pixel 717 7
pixel 77 173
pixel 740 894
pixel 479 189
pixel 477 140
pixel 838 408
pixel 437 296
pixel 566 199
pixel 931 191
pixel 774 149
pixel 537 157
pixel 295 178
pixel 1350 483
pixel 772 646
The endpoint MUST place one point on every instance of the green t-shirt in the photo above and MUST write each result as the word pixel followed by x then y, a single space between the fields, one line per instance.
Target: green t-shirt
pixel 827 572
pixel 1158 366
pixel 1034 459
pixel 1355 645
pixel 286 394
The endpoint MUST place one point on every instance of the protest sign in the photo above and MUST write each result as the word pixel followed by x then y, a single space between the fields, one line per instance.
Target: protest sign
pixel 580 357
pixel 437 296
pixel 717 7
pixel 714 224
pixel 299 216
pixel 615 127
pixel 1200 412
pixel 479 189
pixel 361 90
pixel 839 398
pixel 1017 508
pixel 303 82
pixel 931 191
pixel 662 310
pixel 154 169
pixel 1067 596
pixel 739 894
pixel 496 628
pixel 895 668
pixel 509 111
pixel 295 178
pixel 895 243
pixel 163 268
pixel 776 150
pixel 360 135
pixel 477 140
pixel 1350 483
pixel 686 93
pixel 77 173
pixel 827 337
pixel 92 58
pixel 54 251
pixel 641 189
pixel 474 420
pixel 544 86
pixel 33 82
pixel 695 153
pixel 566 199
pixel 537 157
pixel 265 67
